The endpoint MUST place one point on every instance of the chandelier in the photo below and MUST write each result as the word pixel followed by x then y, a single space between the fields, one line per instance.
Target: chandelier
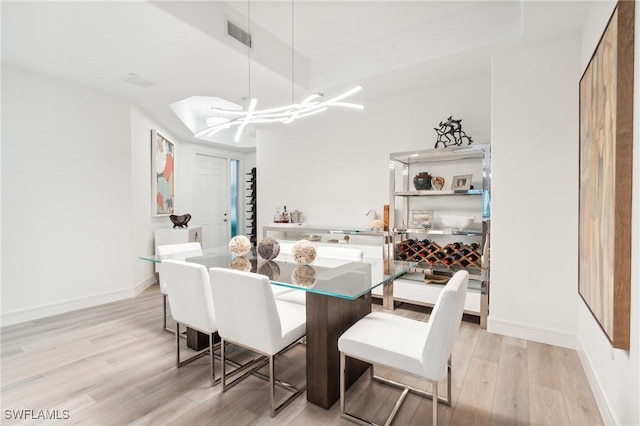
pixel 218 118
pixel 313 104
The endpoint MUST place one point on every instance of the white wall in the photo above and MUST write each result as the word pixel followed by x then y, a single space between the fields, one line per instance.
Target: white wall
pixel 142 199
pixel 76 196
pixel 534 202
pixel 334 166
pixel 615 374
pixel 67 192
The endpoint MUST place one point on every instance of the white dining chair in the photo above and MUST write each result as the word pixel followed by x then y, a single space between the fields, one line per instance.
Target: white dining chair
pixel 422 349
pixel 189 293
pixel 285 249
pixel 176 252
pixel 344 253
pixel 249 316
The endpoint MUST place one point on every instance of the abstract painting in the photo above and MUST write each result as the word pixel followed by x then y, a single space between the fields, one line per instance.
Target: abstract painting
pixel 605 178
pixel 162 164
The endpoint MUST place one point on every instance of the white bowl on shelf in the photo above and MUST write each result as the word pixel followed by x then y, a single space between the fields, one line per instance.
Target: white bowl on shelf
pixel 458 222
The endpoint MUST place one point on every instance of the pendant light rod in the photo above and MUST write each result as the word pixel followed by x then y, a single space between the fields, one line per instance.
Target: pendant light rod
pixel 313 104
pixel 292 57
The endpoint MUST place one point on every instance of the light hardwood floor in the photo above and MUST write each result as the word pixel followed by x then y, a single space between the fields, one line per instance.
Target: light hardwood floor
pixel 113 364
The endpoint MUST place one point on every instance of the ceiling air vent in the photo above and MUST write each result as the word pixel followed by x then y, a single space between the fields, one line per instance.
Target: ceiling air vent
pixel 238 33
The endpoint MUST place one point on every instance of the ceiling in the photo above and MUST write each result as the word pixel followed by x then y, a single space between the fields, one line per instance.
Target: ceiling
pixel 178 49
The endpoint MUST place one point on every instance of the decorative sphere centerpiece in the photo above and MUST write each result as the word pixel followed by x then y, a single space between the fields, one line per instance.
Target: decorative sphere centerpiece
pixel 268 248
pixel 240 245
pixel 304 275
pixel 303 252
pixel 422 181
pixel 241 264
pixel 270 269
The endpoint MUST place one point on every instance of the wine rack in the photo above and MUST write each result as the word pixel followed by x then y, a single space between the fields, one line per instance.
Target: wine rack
pixel 252 207
pixel 453 255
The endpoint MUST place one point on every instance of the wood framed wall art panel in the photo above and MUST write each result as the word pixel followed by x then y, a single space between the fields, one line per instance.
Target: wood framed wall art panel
pixel 605 177
pixel 163 173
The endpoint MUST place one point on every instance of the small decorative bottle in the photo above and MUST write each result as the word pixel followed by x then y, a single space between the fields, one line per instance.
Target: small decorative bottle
pixel 285 215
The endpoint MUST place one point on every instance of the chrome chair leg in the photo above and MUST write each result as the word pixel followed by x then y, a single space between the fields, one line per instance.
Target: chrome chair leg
pixel 405 391
pixel 342 367
pixel 212 359
pixel 164 315
pixel 198 354
pixel 272 385
pixel 252 367
pixel 434 401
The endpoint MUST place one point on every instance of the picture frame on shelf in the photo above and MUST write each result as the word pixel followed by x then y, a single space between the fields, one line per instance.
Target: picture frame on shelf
pixel 605 178
pixel 461 182
pixel 162 175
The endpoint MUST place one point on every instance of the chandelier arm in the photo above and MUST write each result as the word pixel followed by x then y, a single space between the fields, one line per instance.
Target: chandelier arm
pixel 342 96
pixel 304 114
pixel 348 105
pixel 216 128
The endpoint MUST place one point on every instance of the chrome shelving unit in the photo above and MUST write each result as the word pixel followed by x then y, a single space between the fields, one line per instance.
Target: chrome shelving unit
pixel 445 162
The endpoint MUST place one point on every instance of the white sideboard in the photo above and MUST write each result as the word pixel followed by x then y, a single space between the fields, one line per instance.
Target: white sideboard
pixel 164 236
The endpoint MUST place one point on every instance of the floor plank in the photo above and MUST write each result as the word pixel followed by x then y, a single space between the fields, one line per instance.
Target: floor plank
pixel 113 364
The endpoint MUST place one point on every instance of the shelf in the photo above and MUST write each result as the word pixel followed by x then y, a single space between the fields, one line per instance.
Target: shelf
pixel 475 283
pixel 434 192
pixel 447 231
pixel 455 153
pixel 323 230
pixel 425 268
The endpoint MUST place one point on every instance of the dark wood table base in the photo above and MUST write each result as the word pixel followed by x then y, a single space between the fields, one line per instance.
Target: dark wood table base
pixel 198 341
pixel 327 318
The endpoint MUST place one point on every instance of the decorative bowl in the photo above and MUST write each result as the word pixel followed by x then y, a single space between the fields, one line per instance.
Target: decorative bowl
pixel 180 221
pixel 458 222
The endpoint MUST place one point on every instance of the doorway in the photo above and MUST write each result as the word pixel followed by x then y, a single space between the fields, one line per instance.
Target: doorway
pixel 211 199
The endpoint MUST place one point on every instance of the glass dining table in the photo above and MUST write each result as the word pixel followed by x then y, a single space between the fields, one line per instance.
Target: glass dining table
pixel 338 293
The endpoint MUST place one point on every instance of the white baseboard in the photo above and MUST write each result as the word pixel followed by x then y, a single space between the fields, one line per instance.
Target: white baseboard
pixel 47 310
pixel 145 284
pixel 528 332
pixel 608 417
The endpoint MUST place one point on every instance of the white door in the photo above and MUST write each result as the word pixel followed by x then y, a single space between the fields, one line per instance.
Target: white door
pixel 211 199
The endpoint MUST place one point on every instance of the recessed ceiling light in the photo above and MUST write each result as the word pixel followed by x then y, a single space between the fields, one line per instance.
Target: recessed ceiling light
pixel 138 80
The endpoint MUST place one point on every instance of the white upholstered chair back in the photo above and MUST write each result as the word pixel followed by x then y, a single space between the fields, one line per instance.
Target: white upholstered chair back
pixel 444 324
pixel 246 309
pixel 354 255
pixel 175 252
pixel 190 295
pixel 285 248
